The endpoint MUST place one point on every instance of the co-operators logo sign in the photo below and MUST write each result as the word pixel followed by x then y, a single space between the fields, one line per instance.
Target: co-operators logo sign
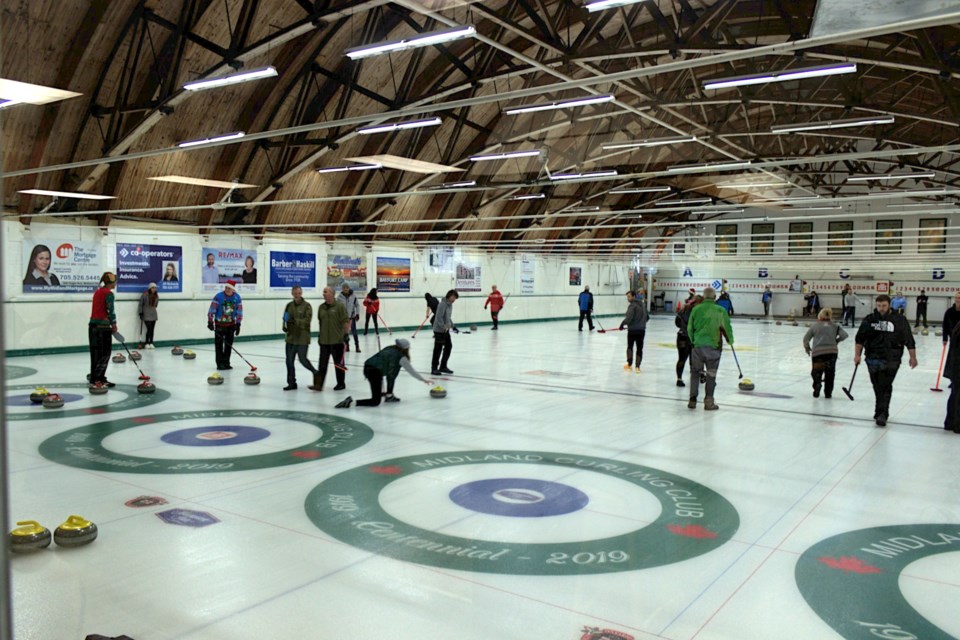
pixel 124 253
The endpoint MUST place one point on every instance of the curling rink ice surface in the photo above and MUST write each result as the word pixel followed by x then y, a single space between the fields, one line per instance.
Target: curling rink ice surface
pixel 551 495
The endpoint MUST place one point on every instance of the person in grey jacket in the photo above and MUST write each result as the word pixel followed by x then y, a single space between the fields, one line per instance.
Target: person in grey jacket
pixel 442 324
pixel 635 323
pixel 820 343
pixel 349 301
pixel 147 310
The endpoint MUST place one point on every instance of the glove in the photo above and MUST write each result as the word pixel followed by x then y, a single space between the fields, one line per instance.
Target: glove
pixel 210 325
pixel 236 331
pixel 622 325
pixel 141 315
pixel 286 317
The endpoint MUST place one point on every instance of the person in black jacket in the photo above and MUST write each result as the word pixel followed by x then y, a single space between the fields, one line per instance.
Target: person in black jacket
pixel 883 335
pixel 684 346
pixel 951 368
pixel 922 308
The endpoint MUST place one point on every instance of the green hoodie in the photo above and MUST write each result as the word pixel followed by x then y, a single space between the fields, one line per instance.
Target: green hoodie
pixel 297 319
pixel 706 320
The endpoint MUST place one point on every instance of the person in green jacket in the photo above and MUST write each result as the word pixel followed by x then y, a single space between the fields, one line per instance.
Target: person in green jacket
pixel 296 324
pixel 709 323
pixel 386 364
pixel 333 325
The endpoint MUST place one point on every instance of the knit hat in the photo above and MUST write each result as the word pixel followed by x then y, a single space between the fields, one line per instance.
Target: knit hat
pixel 152 285
pixel 403 343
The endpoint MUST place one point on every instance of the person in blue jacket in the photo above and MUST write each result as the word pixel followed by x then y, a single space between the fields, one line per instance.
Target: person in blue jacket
pixel 585 302
pixel 766 299
pixel 726 303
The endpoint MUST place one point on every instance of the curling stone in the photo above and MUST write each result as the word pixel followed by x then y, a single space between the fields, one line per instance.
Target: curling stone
pixel 29 536
pixel 746 385
pixel 189 355
pixel 119 357
pixel 795 323
pixel 215 378
pixel 146 387
pixel 38 395
pixel 251 378
pixel 925 332
pixel 53 401
pixel 915 331
pixel 473 327
pixel 75 532
pixel 938 333
pixel 177 351
pixel 98 389
pixel 135 355
pixel 438 392
pixel 778 323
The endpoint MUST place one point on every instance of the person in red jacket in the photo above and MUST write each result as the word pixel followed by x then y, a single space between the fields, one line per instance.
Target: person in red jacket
pixel 103 323
pixel 495 301
pixel 372 306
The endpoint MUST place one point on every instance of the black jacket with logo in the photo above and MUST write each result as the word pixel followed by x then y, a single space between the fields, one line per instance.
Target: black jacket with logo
pixel 884 337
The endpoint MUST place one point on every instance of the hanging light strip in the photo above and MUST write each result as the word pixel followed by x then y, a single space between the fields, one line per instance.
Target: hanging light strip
pixel 717 166
pixel 351 167
pixel 831 124
pixel 529 196
pixel 642 190
pixel 650 142
pixel 781 76
pixel 455 185
pixel 79 195
pixel 892 176
pixel 751 185
pixel 673 203
pixel 421 40
pixel 563 104
pixel 397 126
pixel 228 136
pixel 505 156
pixel 233 78
pixel 600 5
pixel 583 176
pixel 836 208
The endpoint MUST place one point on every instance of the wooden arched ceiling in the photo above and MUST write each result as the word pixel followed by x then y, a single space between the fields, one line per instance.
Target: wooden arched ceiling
pixel 130 58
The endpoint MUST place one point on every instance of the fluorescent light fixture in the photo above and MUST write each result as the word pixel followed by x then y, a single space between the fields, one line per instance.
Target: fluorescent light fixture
pixel 233 78
pixel 892 176
pixel 831 124
pixel 740 210
pixel 201 182
pixel 751 185
pixel 789 198
pixel 562 104
pixel 716 166
pixel 505 156
pixel 32 93
pixel 835 208
pixel 227 136
pixel 529 196
pixel 649 142
pixel 582 209
pixel 672 203
pixel 8 103
pixel 930 204
pixel 397 126
pixel 583 176
pixel 781 76
pixel 351 167
pixel 600 5
pixel 642 190
pixel 420 40
pixel 66 194
pixel 455 185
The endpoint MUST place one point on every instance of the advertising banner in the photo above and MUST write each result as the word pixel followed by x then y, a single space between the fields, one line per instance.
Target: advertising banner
pixel 61 267
pixel 575 275
pixel 220 265
pixel 393 275
pixel 288 269
pixel 347 269
pixel 140 264
pixel 528 270
pixel 468 277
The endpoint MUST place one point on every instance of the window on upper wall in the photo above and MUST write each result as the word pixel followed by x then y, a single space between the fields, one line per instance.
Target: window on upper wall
pixel 800 242
pixel 761 239
pixel 726 240
pixel 889 237
pixel 840 237
pixel 932 236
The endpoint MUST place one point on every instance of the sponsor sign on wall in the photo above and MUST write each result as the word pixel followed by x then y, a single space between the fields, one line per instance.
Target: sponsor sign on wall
pixel 220 265
pixel 468 277
pixel 351 270
pixel 61 266
pixel 289 268
pixel 140 264
pixel 393 275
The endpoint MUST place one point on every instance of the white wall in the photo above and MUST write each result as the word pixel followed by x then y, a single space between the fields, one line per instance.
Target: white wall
pixel 863 269
pixel 37 321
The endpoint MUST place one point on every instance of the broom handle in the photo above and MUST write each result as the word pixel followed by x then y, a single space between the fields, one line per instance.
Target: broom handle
pixel 940 369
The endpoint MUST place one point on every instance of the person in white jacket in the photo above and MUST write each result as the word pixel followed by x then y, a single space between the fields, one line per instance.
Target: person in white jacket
pixel 349 300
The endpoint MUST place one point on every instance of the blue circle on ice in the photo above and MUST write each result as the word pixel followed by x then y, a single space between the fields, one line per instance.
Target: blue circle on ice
pixel 519 497
pixel 215 436
pixel 24 401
